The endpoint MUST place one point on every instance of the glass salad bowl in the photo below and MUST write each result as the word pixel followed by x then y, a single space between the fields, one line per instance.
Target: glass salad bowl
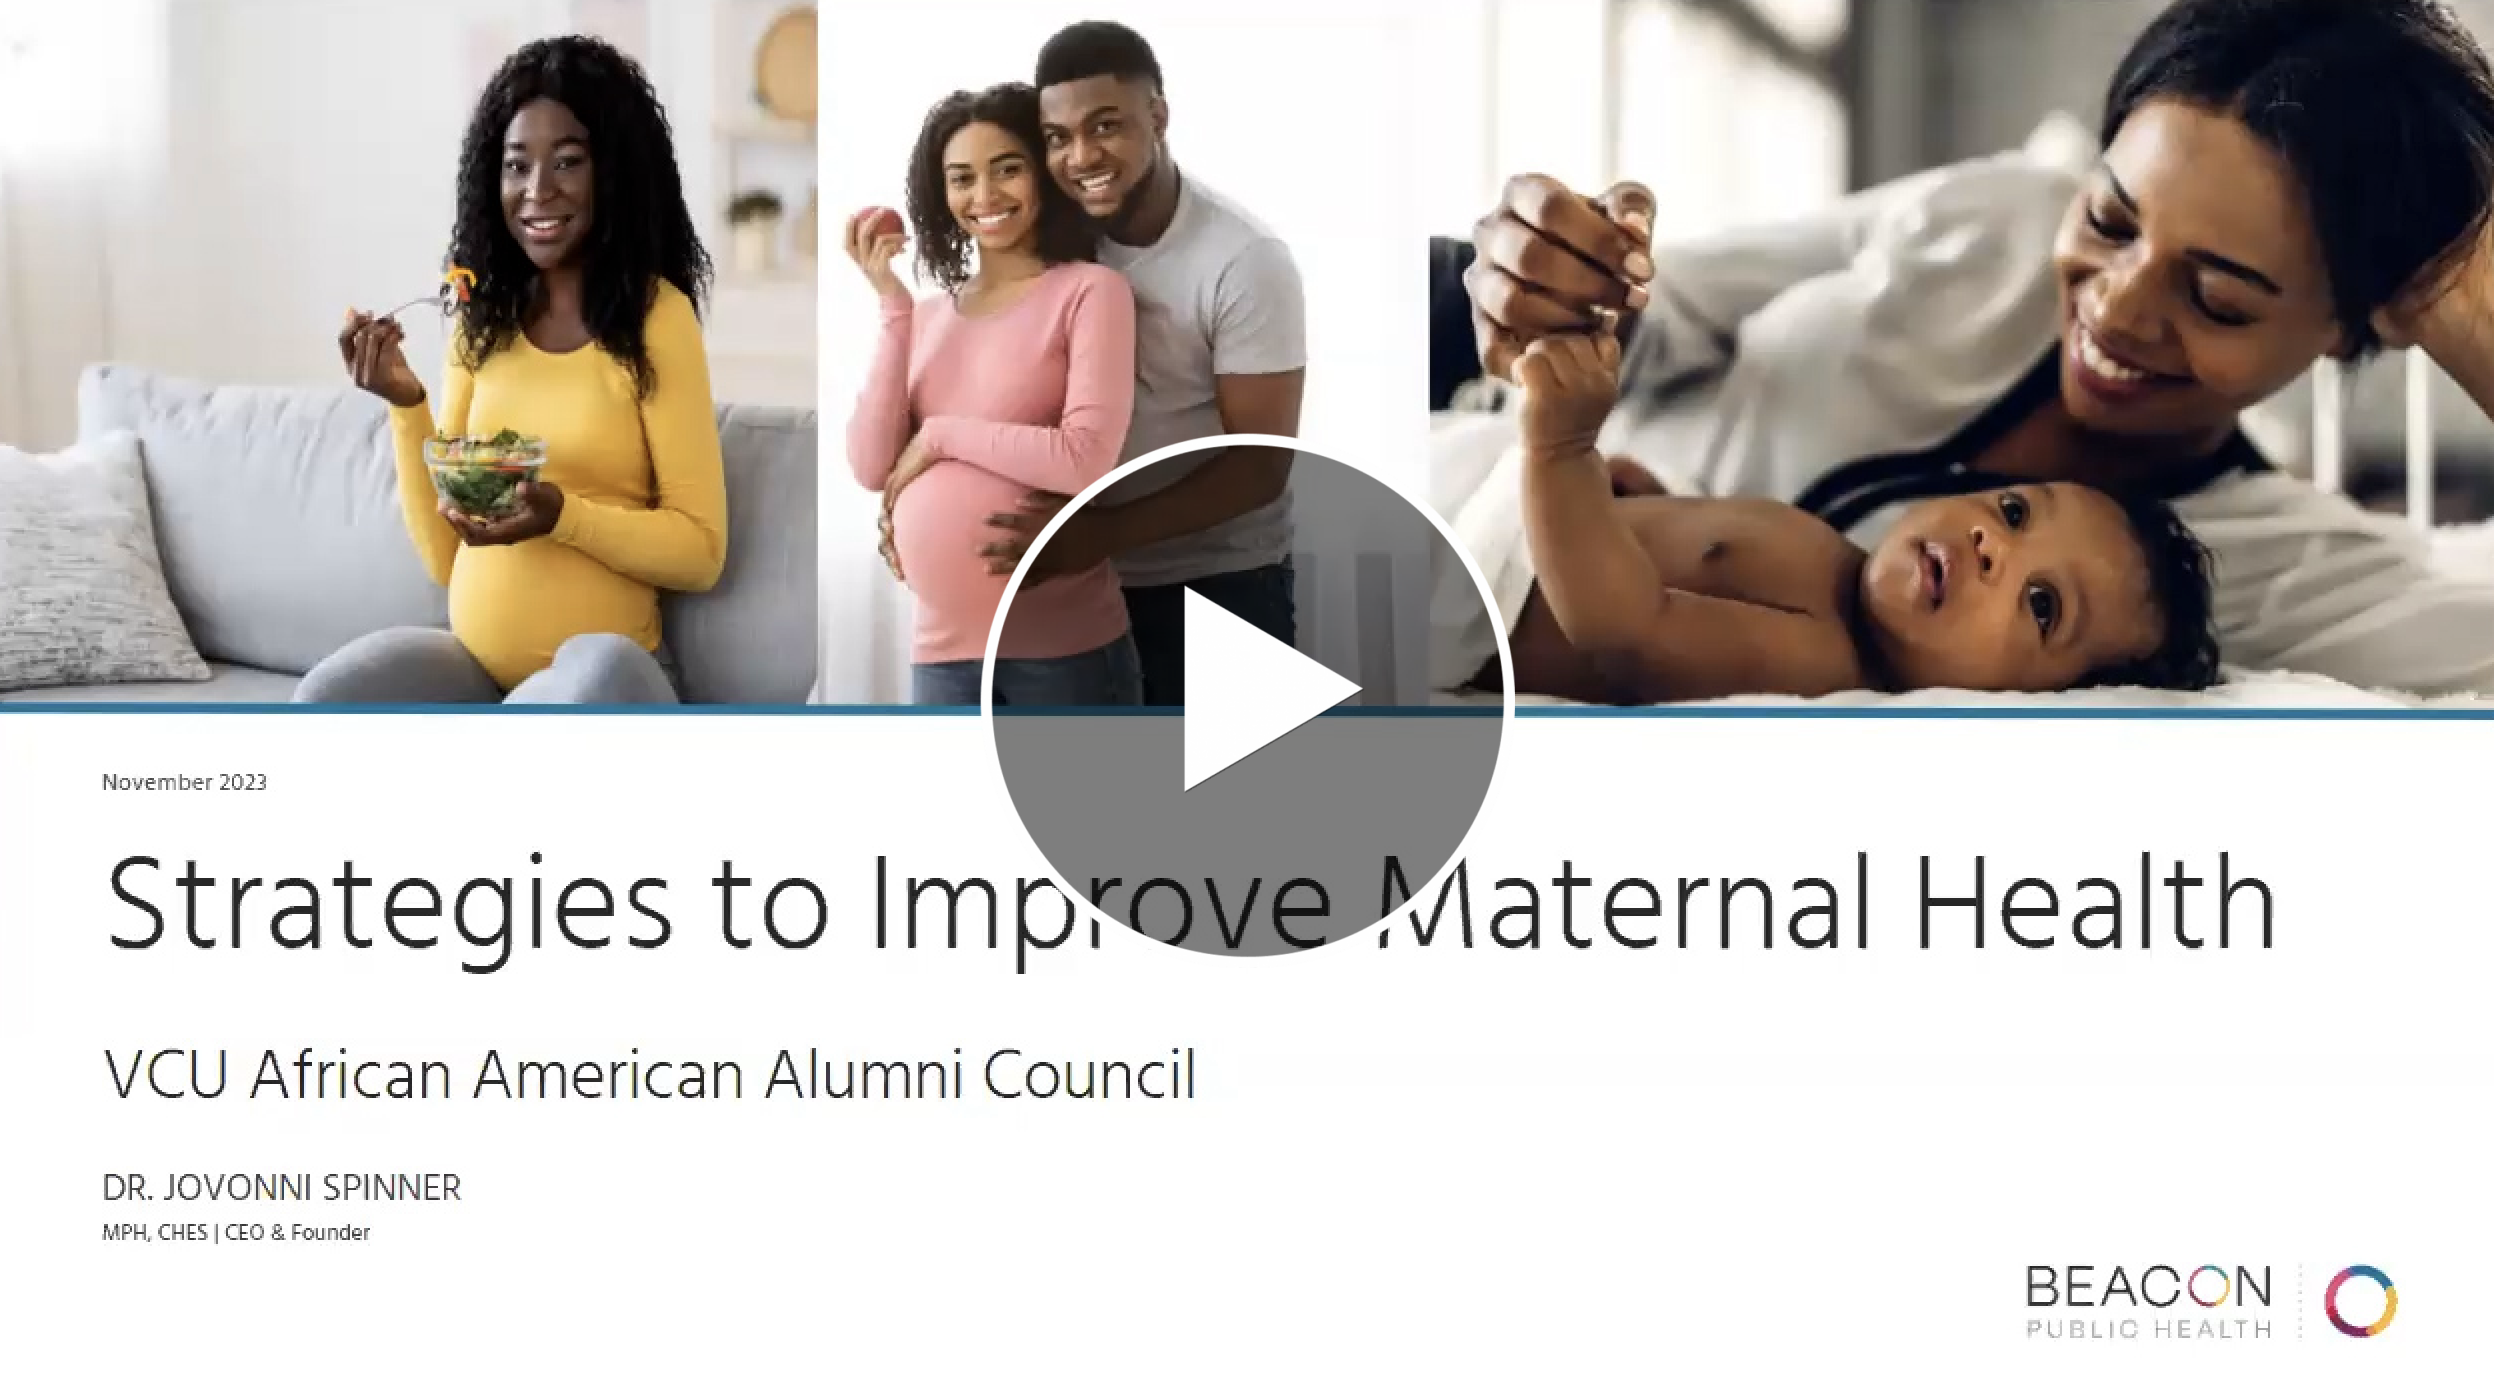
pixel 481 477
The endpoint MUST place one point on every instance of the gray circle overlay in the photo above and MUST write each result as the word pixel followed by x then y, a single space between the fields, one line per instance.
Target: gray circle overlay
pixel 1332 828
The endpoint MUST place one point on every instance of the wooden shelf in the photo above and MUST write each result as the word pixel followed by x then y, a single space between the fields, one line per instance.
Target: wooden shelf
pixel 761 327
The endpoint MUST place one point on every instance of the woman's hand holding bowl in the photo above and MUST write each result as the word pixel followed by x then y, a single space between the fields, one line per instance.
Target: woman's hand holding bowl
pixel 540 507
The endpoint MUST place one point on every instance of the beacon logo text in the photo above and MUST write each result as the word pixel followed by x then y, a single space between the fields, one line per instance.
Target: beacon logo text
pixel 2165 1302
pixel 2162 1302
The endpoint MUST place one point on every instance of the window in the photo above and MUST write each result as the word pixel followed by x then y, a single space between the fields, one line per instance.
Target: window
pixel 17 47
pixel 1730 110
pixel 1725 129
pixel 70 75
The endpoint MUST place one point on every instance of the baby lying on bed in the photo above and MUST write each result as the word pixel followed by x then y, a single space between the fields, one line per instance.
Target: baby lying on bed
pixel 1639 598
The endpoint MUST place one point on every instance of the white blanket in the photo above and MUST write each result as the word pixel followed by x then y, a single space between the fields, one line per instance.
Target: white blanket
pixel 2466 550
pixel 2250 690
pixel 1472 485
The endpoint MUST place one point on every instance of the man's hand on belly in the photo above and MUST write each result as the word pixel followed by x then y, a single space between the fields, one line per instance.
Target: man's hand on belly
pixel 1073 549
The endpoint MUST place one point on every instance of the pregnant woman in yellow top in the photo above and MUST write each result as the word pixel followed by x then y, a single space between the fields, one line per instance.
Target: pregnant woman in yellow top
pixel 581 330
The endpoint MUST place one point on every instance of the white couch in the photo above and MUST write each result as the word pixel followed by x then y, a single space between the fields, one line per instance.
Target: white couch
pixel 276 519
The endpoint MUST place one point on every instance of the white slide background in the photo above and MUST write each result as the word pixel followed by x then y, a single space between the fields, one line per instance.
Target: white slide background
pixel 1409 1172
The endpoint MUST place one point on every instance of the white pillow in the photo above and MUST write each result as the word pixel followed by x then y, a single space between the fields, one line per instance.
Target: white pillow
pixel 2064 142
pixel 83 599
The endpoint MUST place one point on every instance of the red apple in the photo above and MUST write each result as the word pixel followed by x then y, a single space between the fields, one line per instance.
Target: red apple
pixel 883 223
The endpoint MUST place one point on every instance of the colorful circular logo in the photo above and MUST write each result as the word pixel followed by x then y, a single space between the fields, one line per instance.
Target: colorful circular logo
pixel 2225 1286
pixel 2389 1300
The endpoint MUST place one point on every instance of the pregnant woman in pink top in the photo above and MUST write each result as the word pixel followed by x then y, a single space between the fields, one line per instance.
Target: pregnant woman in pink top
pixel 1017 375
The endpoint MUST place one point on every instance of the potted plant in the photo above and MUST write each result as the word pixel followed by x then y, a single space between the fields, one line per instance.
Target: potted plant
pixel 753 219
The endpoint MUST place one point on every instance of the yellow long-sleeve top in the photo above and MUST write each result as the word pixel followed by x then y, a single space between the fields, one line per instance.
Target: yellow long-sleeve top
pixel 644 492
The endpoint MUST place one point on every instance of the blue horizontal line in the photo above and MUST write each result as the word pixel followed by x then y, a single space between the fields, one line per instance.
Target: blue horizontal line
pixel 1566 712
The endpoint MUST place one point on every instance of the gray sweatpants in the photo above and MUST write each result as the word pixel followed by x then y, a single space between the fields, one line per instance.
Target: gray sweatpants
pixel 428 666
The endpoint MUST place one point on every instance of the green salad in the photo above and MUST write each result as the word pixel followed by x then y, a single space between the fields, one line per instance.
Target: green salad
pixel 481 477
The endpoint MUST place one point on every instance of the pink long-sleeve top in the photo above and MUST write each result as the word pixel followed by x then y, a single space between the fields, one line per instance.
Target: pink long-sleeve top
pixel 1033 396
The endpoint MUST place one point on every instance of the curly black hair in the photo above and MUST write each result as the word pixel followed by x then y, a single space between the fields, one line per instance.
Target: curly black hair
pixel 2182 589
pixel 1065 233
pixel 2384 109
pixel 641 231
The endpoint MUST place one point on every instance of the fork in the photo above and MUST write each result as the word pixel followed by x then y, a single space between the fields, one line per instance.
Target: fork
pixel 448 294
pixel 392 314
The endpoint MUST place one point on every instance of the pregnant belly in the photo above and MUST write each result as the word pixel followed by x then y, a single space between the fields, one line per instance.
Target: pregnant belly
pixel 939 528
pixel 512 605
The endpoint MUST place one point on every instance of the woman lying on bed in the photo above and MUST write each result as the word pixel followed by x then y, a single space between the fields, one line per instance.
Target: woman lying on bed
pixel 1640 598
pixel 2281 180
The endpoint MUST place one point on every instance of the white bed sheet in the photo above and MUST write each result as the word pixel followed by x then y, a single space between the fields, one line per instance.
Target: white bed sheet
pixel 1465 449
pixel 2273 690
pixel 2461 549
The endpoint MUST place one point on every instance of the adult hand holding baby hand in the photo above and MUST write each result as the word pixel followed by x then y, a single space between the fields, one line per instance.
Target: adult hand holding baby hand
pixel 1570 383
pixel 1548 261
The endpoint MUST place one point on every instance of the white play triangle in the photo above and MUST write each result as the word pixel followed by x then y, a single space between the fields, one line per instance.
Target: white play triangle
pixel 1245 689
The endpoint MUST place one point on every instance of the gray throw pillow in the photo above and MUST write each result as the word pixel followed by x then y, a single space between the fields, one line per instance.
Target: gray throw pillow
pixel 83 599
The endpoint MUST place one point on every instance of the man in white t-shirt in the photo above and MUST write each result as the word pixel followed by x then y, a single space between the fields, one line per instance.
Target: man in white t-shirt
pixel 1220 348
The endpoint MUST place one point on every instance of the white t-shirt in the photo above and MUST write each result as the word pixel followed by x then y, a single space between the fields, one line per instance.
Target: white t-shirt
pixel 1217 294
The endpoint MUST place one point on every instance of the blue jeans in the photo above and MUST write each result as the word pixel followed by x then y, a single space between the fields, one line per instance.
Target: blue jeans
pixel 1266 598
pixel 1104 677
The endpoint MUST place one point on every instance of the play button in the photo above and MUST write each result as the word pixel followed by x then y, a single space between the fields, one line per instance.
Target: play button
pixel 1245 689
pixel 1292 780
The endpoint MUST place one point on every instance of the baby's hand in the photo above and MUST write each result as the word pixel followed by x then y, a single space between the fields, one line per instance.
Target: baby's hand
pixel 1570 384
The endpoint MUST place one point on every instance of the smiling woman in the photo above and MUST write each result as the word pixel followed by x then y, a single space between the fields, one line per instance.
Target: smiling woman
pixel 2234 233
pixel 1017 375
pixel 581 337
